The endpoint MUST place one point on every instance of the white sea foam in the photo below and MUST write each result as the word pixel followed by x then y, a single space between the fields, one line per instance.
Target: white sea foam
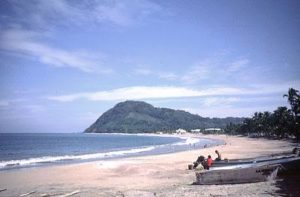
pixel 51 159
pixel 188 141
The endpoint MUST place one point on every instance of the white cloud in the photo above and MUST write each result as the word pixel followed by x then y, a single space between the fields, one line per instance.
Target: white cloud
pixel 159 92
pixel 22 42
pixel 237 65
pixel 276 87
pixel 238 108
pixel 20 104
pixel 90 117
pixel 125 13
pixel 144 71
pixel 232 106
pixel 213 68
pixel 220 101
pixel 42 14
pixel 34 108
pixel 130 93
pixel 196 73
pixel 148 92
pixel 167 75
pixel 45 14
pixel 228 111
pixel 4 103
pixel 7 103
pixel 30 20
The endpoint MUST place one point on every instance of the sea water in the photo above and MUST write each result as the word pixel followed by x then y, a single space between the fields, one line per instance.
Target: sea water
pixel 18 150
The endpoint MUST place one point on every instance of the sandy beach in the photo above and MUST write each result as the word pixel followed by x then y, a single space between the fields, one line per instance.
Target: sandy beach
pixel 159 175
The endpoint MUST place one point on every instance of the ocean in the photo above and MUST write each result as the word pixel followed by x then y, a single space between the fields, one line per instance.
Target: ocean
pixel 21 150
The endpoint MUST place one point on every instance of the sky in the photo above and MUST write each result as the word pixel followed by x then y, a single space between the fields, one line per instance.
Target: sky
pixel 64 63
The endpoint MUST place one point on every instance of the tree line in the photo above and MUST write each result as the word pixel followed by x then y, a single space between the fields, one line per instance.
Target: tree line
pixel 281 123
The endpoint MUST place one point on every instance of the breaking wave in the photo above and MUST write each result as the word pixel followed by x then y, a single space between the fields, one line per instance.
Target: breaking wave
pixel 53 159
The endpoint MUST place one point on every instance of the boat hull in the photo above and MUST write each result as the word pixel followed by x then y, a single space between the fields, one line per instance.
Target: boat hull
pixel 237 175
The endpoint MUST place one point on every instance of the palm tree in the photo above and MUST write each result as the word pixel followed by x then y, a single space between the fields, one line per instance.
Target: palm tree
pixel 267 123
pixel 294 100
pixel 283 122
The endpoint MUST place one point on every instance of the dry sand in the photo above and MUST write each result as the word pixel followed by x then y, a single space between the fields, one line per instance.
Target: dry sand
pixel 160 175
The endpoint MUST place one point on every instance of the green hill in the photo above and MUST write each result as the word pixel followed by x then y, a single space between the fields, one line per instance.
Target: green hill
pixel 141 117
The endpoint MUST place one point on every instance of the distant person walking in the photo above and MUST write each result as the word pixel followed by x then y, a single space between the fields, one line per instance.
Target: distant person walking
pixel 219 158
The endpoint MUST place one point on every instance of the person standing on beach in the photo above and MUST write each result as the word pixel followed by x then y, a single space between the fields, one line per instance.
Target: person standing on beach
pixel 219 158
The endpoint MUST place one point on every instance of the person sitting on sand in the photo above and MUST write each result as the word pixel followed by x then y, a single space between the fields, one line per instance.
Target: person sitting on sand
pixel 200 160
pixel 219 158
pixel 209 162
pixel 199 167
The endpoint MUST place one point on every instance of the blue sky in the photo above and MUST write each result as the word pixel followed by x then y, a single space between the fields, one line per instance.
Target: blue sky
pixel 64 63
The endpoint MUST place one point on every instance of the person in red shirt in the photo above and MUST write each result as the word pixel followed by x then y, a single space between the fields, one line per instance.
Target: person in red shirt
pixel 209 162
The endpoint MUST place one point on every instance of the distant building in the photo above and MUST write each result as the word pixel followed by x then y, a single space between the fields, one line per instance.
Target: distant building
pixel 181 131
pixel 213 130
pixel 196 130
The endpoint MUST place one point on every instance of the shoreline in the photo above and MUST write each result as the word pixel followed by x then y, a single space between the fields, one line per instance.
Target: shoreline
pixel 142 176
pixel 182 143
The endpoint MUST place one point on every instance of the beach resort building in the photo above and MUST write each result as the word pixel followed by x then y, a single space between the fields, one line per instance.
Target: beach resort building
pixel 212 130
pixel 195 130
pixel 181 131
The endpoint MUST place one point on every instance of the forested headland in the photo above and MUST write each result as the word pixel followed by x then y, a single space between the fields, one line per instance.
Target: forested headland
pixel 141 117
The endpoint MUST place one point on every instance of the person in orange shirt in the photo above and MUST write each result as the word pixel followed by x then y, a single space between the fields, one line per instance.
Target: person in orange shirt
pixel 209 162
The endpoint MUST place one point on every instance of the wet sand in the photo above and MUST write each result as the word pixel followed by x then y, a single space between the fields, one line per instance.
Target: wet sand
pixel 159 175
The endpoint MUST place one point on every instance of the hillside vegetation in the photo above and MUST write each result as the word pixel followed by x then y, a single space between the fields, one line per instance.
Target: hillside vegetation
pixel 141 117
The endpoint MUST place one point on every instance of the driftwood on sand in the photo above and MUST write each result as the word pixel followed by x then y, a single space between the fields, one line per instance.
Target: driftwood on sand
pixel 61 195
pixel 49 195
pixel 27 194
pixel 70 194
pixel 46 195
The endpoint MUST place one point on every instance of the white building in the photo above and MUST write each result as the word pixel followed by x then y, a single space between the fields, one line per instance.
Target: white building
pixel 181 131
pixel 213 130
pixel 196 130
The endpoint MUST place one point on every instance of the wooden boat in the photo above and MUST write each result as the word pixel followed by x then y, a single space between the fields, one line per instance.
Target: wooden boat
pixel 247 173
pixel 267 159
pixel 288 165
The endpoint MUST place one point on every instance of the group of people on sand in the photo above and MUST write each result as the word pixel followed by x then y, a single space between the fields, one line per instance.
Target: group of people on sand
pixel 202 163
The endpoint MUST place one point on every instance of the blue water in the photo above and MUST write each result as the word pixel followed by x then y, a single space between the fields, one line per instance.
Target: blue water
pixel 27 150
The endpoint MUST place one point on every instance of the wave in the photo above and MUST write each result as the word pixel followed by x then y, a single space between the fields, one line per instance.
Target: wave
pixel 53 159
pixel 185 141
pixel 188 141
